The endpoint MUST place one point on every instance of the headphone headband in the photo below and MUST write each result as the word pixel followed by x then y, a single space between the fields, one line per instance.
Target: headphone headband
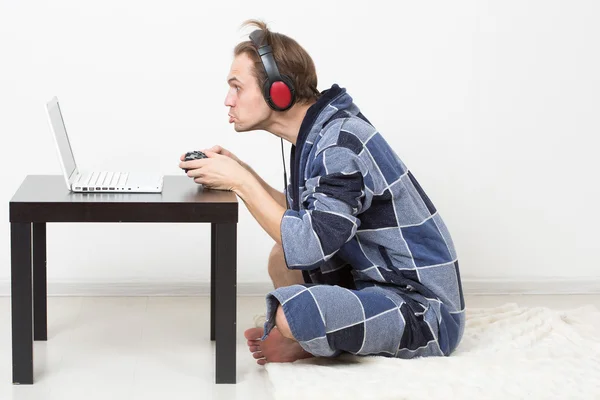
pixel 278 97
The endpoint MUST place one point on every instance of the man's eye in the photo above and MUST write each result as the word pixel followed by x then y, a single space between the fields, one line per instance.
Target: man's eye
pixel 237 88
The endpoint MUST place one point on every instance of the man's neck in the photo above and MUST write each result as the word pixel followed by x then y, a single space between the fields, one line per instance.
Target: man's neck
pixel 287 124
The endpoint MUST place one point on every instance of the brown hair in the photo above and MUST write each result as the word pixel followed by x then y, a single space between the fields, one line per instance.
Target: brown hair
pixel 292 60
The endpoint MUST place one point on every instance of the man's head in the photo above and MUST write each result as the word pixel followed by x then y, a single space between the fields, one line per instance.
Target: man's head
pixel 248 108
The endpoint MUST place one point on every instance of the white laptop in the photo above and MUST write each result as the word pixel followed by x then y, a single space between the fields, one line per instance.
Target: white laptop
pixel 100 181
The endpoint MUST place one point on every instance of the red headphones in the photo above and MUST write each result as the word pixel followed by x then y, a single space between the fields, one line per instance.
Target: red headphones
pixel 278 90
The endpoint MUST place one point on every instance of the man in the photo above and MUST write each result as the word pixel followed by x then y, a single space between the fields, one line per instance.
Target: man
pixel 362 261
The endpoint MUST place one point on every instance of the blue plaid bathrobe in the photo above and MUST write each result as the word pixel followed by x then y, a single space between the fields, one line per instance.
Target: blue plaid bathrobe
pixel 380 267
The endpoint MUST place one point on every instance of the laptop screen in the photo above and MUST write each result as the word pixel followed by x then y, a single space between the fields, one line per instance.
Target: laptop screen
pixel 58 126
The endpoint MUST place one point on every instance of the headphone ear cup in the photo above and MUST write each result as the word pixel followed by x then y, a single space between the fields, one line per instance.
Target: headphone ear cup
pixel 267 95
pixel 280 95
pixel 290 84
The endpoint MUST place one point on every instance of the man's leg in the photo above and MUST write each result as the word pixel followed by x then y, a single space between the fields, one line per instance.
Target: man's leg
pixel 278 270
pixel 280 345
pixel 326 320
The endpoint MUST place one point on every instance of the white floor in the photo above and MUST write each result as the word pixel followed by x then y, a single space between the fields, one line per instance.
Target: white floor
pixel 156 348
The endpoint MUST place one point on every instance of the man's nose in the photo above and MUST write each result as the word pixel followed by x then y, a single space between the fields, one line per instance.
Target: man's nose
pixel 229 100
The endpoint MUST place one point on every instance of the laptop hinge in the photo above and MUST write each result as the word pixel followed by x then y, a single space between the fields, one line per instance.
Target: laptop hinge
pixel 73 177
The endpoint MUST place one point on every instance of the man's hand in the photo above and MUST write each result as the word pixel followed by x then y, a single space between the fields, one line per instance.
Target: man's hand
pixel 218 171
pixel 220 150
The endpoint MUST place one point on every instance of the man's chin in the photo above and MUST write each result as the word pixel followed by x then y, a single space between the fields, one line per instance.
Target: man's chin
pixel 241 128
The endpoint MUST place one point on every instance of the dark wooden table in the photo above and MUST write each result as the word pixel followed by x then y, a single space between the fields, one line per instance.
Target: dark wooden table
pixel 45 198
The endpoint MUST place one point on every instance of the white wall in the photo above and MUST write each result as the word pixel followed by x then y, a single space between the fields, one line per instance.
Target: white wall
pixel 493 105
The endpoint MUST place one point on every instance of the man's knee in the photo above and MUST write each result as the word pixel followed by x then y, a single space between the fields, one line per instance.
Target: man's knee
pixel 279 273
pixel 276 261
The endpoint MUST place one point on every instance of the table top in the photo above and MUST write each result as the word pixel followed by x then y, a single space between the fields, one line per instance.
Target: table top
pixel 46 198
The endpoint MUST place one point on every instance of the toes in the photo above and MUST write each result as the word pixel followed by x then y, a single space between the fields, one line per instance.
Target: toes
pixel 254 349
pixel 262 361
pixel 253 333
pixel 258 354
pixel 253 343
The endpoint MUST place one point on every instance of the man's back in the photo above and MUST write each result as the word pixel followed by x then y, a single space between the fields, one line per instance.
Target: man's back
pixel 389 232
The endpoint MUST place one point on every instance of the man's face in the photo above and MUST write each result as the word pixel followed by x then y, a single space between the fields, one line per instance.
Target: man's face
pixel 247 108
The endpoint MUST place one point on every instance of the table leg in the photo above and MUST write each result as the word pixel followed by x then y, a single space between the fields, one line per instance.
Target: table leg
pixel 225 296
pixel 21 302
pixel 213 263
pixel 40 318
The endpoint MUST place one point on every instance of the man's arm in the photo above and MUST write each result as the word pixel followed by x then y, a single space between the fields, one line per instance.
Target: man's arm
pixel 263 206
pixel 314 234
pixel 274 193
pixel 278 196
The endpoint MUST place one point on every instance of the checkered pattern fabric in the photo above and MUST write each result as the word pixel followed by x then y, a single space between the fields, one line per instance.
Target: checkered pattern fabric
pixel 359 220
pixel 327 320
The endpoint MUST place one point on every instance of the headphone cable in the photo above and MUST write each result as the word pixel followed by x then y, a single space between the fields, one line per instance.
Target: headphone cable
pixel 284 176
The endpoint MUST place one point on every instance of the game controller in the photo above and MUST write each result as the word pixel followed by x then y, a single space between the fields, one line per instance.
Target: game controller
pixel 194 155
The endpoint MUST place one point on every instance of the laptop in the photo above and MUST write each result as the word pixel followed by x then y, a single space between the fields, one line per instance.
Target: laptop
pixel 98 181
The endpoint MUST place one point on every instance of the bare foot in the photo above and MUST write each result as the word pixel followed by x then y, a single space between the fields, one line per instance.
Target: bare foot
pixel 275 348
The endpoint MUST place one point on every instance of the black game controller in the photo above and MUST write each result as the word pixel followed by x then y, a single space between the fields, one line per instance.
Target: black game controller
pixel 193 155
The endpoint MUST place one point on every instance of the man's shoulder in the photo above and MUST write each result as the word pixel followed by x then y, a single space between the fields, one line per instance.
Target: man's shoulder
pixel 349 126
pixel 351 133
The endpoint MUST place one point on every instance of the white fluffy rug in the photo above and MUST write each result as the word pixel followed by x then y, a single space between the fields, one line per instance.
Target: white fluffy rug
pixel 506 352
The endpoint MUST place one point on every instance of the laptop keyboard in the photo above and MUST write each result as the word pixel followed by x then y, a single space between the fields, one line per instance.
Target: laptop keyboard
pixel 103 179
